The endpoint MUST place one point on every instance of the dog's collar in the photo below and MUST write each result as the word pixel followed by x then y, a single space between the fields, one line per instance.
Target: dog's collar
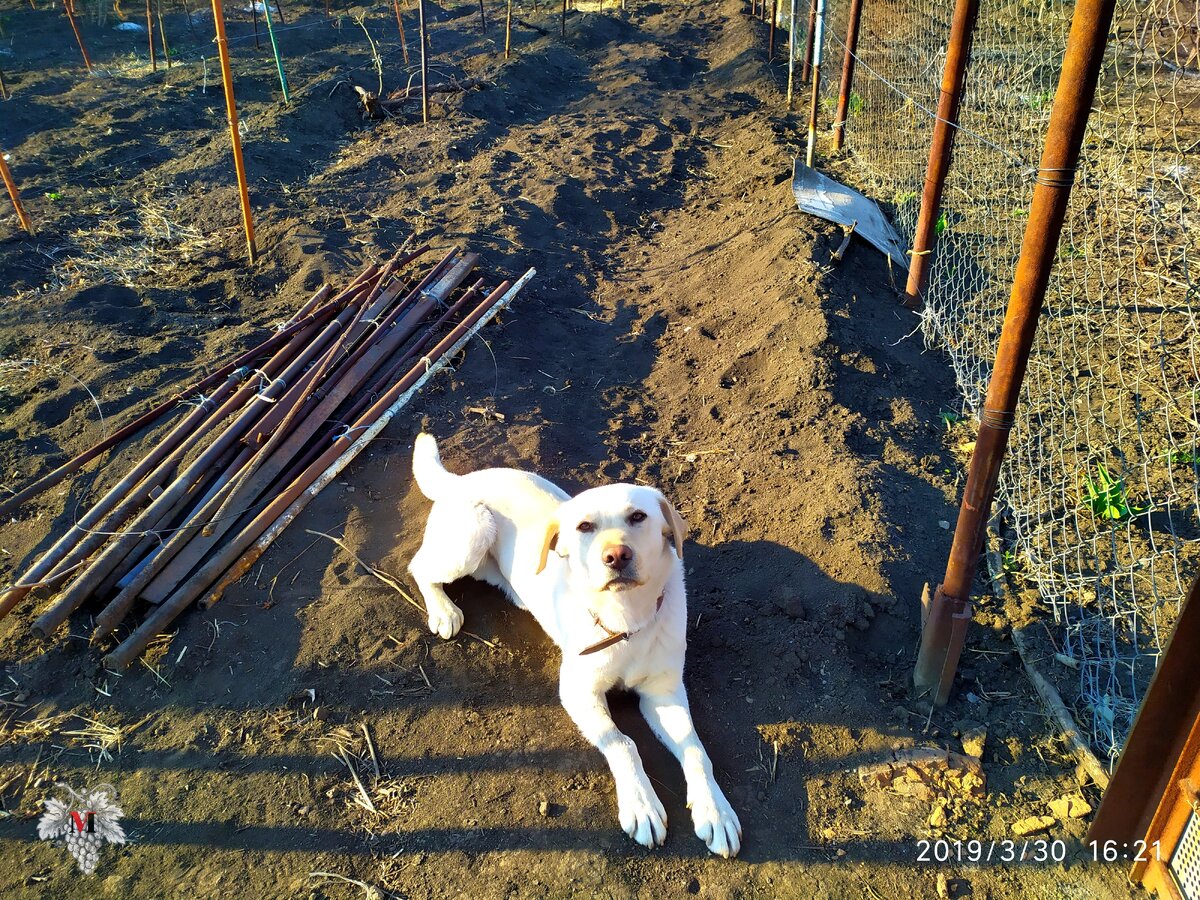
pixel 615 637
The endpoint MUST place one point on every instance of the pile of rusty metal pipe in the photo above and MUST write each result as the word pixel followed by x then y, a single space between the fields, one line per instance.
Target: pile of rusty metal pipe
pixel 205 502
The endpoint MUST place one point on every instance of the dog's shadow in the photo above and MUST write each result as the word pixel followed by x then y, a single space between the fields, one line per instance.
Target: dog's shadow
pixel 775 646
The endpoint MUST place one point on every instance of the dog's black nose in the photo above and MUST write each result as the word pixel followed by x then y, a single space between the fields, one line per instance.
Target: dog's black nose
pixel 618 556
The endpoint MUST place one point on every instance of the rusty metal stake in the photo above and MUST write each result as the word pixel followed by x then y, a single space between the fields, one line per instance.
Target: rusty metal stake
pixel 791 82
pixel 424 61
pixel 400 27
pixel 771 34
pixel 941 148
pixel 150 36
pixel 234 136
pixel 847 85
pixel 78 37
pixel 948 612
pixel 15 195
pixel 806 69
pixel 814 107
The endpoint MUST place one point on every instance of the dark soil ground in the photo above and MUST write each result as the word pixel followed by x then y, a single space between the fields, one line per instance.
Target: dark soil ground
pixel 686 329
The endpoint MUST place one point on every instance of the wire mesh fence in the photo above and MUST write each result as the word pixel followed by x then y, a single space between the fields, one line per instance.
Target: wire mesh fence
pixel 1100 484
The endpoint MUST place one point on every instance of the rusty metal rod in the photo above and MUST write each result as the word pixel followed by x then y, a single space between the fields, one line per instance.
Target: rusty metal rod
pixel 400 27
pixel 150 36
pixel 121 498
pixel 791 79
pixel 806 67
pixel 847 84
pixel 814 108
pixel 944 631
pixel 941 148
pixel 78 37
pixel 234 135
pixel 271 344
pixel 14 195
pixel 83 586
pixel 176 559
pixel 112 614
pixel 371 423
pixel 771 35
pixel 424 61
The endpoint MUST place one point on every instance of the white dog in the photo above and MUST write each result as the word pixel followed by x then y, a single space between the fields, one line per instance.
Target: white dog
pixel 603 574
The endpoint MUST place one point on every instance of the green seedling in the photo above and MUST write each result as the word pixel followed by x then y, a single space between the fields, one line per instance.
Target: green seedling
pixel 53 195
pixel 904 197
pixel 941 225
pixel 1019 212
pixel 1009 563
pixel 1106 495
pixel 1183 457
pixel 949 419
pixel 857 104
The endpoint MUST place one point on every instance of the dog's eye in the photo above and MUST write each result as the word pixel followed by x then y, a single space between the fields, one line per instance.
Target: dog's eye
pixel 584 526
pixel 637 517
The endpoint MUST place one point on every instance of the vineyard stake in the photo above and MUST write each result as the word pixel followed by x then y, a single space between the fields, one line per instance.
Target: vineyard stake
pixel 234 137
pixel 508 31
pixel 806 68
pixel 843 107
pixel 947 614
pixel 424 61
pixel 14 195
pixel 275 49
pixel 400 27
pixel 150 37
pixel 78 37
pixel 818 44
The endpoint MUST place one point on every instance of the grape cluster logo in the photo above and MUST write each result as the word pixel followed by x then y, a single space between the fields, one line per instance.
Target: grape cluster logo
pixel 83 822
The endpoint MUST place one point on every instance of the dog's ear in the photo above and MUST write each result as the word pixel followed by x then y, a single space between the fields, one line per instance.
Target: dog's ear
pixel 675 520
pixel 549 542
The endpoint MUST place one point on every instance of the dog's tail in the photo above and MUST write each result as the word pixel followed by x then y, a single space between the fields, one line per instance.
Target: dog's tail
pixel 432 478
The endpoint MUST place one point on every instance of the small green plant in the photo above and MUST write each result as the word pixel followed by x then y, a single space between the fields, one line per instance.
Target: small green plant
pixel 1019 212
pixel 1183 457
pixel 1107 496
pixel 904 197
pixel 1009 563
pixel 949 419
pixel 857 103
pixel 53 195
pixel 941 225
pixel 1037 101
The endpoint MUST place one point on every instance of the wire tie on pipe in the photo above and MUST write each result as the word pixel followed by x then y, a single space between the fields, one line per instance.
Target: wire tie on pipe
pixel 1064 179
pixel 347 431
pixel 1001 420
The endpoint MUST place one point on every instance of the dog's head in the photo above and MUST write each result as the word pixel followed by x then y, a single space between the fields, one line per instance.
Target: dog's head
pixel 616 538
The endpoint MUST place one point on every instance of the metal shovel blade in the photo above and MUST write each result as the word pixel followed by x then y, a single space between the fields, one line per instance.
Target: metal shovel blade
pixel 821 196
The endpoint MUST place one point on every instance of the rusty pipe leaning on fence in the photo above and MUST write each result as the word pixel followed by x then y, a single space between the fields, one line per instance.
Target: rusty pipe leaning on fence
pixel 949 610
pixel 847 85
pixel 818 43
pixel 941 148
pixel 288 503
pixel 83 586
pixel 152 415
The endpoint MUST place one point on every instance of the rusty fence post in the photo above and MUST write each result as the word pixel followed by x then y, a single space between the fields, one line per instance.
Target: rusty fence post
pixel 791 81
pixel 947 613
pixel 15 195
pixel 424 37
pixel 941 148
pixel 843 107
pixel 814 108
pixel 234 135
pixel 771 36
pixel 806 68
pixel 70 11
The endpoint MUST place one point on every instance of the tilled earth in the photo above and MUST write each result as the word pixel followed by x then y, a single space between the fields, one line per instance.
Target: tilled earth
pixel 686 329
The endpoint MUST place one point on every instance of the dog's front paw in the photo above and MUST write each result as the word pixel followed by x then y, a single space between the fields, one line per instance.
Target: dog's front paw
pixel 445 619
pixel 717 825
pixel 642 815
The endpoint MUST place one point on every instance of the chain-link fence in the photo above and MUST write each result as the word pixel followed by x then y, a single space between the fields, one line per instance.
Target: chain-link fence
pixel 1100 483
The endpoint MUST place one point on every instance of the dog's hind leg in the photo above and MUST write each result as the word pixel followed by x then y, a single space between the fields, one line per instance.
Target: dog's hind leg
pixel 458 536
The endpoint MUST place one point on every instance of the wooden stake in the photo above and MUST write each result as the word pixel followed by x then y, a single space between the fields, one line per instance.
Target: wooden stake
pixel 78 37
pixel 150 36
pixel 234 137
pixel 424 61
pixel 162 33
pixel 15 195
pixel 482 18
pixel 254 19
pixel 400 26
pixel 508 31
pixel 564 18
